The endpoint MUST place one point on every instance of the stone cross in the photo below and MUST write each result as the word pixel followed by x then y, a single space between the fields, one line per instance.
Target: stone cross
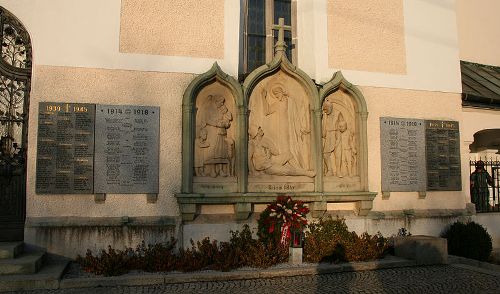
pixel 281 27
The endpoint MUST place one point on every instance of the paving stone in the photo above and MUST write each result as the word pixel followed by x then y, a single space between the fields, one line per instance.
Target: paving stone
pixel 422 279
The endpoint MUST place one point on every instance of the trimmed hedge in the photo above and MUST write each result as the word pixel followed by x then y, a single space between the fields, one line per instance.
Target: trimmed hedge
pixel 470 240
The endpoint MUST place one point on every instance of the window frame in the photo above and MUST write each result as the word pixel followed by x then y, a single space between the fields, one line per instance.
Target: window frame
pixel 269 43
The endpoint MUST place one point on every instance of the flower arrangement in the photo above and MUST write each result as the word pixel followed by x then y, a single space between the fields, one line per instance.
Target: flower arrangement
pixel 280 218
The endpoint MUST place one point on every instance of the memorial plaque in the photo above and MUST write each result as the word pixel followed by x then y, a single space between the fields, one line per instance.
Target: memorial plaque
pixel 127 149
pixel 65 148
pixel 403 154
pixel 443 155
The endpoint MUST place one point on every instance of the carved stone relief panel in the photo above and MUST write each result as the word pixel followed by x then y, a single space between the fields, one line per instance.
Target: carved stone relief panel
pixel 214 145
pixel 279 147
pixel 340 143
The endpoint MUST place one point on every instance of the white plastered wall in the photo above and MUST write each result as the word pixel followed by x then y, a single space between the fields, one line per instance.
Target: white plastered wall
pixel 77 33
pixel 478 31
pixel 432 55
pixel 86 34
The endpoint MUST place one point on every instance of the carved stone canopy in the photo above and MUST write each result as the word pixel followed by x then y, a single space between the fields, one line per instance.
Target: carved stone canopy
pixel 276 133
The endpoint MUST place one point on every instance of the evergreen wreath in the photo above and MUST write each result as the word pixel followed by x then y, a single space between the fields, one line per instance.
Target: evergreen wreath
pixel 280 218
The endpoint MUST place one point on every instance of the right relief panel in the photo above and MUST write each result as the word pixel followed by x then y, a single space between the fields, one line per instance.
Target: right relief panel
pixel 340 138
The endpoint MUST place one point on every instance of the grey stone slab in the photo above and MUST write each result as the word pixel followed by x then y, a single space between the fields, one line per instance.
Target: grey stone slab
pixel 127 149
pixel 47 278
pixel 211 276
pixel 10 249
pixel 443 155
pixel 65 148
pixel 423 249
pixel 27 263
pixel 125 280
pixel 402 143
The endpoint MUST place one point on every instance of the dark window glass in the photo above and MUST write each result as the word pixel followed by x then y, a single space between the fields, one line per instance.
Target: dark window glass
pixel 256 34
pixel 256 30
pixel 283 9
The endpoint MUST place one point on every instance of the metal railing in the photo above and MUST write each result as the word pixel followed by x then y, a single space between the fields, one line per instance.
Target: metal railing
pixel 492 166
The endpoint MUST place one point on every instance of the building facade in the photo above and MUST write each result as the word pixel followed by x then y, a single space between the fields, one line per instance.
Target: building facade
pixel 371 60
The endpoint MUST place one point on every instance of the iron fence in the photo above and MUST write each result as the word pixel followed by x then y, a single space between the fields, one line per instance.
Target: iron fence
pixel 492 166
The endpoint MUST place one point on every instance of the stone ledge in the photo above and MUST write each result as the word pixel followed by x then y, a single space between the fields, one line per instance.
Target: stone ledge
pixel 263 198
pixel 189 202
pixel 239 274
pixel 71 221
pixel 417 213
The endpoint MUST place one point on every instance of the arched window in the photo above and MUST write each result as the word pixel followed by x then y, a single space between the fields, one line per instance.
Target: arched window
pixel 259 38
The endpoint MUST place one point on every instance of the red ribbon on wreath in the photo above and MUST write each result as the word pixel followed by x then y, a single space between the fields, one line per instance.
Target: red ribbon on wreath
pixel 285 234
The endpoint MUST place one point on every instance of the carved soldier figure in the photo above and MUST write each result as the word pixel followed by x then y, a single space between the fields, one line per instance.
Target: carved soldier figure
pixel 329 138
pixel 344 148
pixel 216 119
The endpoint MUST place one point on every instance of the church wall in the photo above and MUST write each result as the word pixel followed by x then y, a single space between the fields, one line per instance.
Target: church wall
pixel 87 34
pixel 62 37
pixel 475 120
pixel 478 24
pixel 67 84
pixel 363 35
pixel 78 221
pixel 385 102
pixel 87 52
pixel 430 44
pixel 173 28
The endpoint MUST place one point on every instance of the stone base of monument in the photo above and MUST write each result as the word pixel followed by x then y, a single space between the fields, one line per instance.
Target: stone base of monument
pixel 422 249
pixel 295 255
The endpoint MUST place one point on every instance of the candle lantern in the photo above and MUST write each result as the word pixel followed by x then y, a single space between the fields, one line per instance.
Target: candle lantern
pixel 297 238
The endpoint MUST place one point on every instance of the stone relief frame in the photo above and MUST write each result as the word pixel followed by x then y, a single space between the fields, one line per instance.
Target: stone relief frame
pixel 190 202
pixel 339 83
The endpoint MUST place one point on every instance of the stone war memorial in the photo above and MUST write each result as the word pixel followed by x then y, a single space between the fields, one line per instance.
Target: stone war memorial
pixel 158 120
pixel 277 133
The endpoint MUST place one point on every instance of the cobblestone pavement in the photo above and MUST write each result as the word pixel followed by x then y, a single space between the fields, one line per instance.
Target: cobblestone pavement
pixel 429 279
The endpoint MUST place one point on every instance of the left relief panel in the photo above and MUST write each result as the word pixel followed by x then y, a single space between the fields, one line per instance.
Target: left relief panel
pixel 214 142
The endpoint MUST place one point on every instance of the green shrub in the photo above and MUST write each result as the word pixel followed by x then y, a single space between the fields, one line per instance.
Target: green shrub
pixel 470 240
pixel 329 240
pixel 242 250
pixel 110 263
pixel 154 258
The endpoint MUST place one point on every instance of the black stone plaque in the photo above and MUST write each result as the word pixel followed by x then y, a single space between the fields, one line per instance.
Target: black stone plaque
pixel 65 148
pixel 403 154
pixel 127 149
pixel 443 155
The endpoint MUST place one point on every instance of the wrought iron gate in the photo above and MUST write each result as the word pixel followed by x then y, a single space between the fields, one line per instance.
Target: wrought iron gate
pixel 492 166
pixel 15 81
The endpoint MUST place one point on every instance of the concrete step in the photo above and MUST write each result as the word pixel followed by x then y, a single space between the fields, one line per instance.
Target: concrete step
pixel 48 277
pixel 27 263
pixel 10 249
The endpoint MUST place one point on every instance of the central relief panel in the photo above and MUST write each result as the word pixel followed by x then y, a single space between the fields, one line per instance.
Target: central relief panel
pixel 280 157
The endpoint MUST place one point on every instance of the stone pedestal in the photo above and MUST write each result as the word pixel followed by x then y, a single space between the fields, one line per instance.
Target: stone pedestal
pixel 295 255
pixel 423 249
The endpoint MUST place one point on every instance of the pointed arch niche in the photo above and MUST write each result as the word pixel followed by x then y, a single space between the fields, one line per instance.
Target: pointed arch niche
pixel 273 142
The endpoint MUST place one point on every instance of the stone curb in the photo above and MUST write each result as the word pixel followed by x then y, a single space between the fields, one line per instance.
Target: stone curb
pixel 474 263
pixel 175 278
